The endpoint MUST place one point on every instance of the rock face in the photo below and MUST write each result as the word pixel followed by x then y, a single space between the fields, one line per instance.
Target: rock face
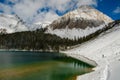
pixel 11 23
pixel 86 19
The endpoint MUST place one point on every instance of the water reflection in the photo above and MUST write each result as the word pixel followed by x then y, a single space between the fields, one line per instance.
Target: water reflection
pixel 39 66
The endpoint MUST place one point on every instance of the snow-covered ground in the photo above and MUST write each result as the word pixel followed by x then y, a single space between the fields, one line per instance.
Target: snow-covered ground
pixel 115 70
pixel 104 50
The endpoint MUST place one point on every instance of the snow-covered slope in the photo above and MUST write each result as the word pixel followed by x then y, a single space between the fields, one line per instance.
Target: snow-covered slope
pixel 11 23
pixel 103 50
pixel 38 25
pixel 42 24
pixel 78 23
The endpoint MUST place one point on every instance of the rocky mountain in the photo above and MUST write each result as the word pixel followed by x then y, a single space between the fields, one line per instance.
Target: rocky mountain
pixel 38 40
pixel 11 23
pixel 79 23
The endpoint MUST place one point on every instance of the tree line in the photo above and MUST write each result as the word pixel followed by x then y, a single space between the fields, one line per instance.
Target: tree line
pixel 39 40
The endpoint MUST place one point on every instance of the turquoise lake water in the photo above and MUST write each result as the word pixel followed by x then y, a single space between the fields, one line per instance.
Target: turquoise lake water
pixel 19 65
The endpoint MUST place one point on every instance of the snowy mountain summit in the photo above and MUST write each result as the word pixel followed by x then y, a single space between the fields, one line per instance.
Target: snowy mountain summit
pixel 79 23
pixel 11 23
pixel 89 13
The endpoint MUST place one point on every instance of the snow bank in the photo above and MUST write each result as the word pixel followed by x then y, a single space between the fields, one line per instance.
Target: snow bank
pixel 100 74
pixel 103 50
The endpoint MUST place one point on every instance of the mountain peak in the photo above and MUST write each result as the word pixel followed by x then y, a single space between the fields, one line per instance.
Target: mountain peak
pixel 79 23
pixel 89 13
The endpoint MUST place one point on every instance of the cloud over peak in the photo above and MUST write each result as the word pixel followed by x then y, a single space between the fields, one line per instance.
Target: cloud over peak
pixel 117 10
pixel 41 10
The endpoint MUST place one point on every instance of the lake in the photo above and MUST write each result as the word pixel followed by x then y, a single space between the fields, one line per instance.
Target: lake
pixel 26 65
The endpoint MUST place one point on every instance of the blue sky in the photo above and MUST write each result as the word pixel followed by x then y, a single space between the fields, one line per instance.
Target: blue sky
pixel 108 7
pixel 48 10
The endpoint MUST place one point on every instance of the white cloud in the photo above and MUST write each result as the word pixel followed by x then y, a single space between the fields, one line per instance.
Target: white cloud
pixel 5 8
pixel 43 16
pixel 27 9
pixel 13 1
pixel 87 2
pixel 117 10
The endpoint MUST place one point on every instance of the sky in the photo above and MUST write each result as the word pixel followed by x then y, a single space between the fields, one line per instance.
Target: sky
pixel 48 10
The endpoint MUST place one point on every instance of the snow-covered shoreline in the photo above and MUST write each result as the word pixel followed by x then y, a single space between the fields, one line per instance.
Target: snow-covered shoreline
pixel 100 71
pixel 104 50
